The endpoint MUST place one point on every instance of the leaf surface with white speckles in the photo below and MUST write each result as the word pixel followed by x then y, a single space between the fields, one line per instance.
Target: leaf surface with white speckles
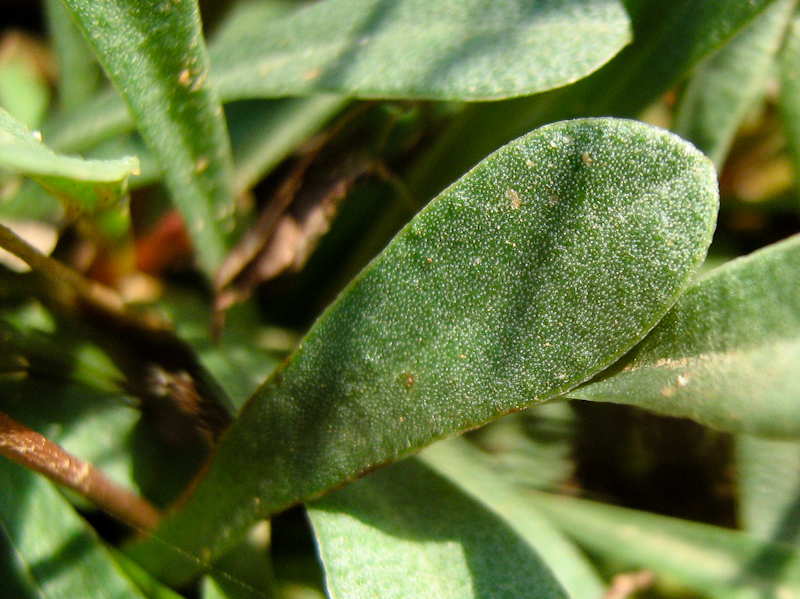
pixel 726 355
pixel 539 268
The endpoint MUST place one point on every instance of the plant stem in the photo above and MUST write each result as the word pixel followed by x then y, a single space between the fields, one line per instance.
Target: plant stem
pixel 91 291
pixel 32 450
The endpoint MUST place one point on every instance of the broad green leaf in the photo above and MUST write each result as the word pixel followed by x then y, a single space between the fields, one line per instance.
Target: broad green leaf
pixel 83 186
pixel 442 49
pixel 768 474
pixel 157 59
pixel 469 469
pixel 718 562
pixel 669 39
pixel 538 269
pixel 406 532
pixel 726 85
pixel 54 553
pixel 79 75
pixel 726 355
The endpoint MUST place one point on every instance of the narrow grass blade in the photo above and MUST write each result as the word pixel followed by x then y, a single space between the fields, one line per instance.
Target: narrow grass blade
pixel 713 561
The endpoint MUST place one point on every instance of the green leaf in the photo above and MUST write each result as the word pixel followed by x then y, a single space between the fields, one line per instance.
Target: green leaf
pixel 471 470
pixel 789 64
pixel 79 75
pixel 443 49
pixel 769 488
pixel 24 91
pixel 717 562
pixel 54 553
pixel 726 355
pixel 538 269
pixel 158 61
pixel 406 532
pixel 669 39
pixel 725 86
pixel 83 186
pixel 440 49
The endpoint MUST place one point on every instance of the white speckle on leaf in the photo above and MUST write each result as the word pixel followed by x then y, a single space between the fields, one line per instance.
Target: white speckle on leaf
pixel 513 196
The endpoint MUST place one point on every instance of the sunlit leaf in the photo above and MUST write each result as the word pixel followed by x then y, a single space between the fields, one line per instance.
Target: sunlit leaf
pixel 669 38
pixel 726 355
pixel 538 269
pixel 82 185
pixel 406 532
pixel 468 468
pixel 442 49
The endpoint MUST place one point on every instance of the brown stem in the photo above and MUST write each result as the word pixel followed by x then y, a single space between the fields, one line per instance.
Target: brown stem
pixel 32 450
pixel 90 291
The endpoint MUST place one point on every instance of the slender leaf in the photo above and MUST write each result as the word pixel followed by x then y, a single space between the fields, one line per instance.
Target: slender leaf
pixel 726 355
pixel 443 49
pixel 726 85
pixel 82 185
pixel 469 468
pixel 79 75
pixel 157 59
pixel 55 554
pixel 714 561
pixel 769 488
pixel 538 269
pixel 405 532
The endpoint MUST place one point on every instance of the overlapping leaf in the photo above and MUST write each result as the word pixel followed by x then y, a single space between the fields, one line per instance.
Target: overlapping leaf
pixel 448 49
pixel 726 86
pixel 82 185
pixel 669 39
pixel 156 56
pixel 539 268
pixel 726 355
pixel 470 469
pixel 406 532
